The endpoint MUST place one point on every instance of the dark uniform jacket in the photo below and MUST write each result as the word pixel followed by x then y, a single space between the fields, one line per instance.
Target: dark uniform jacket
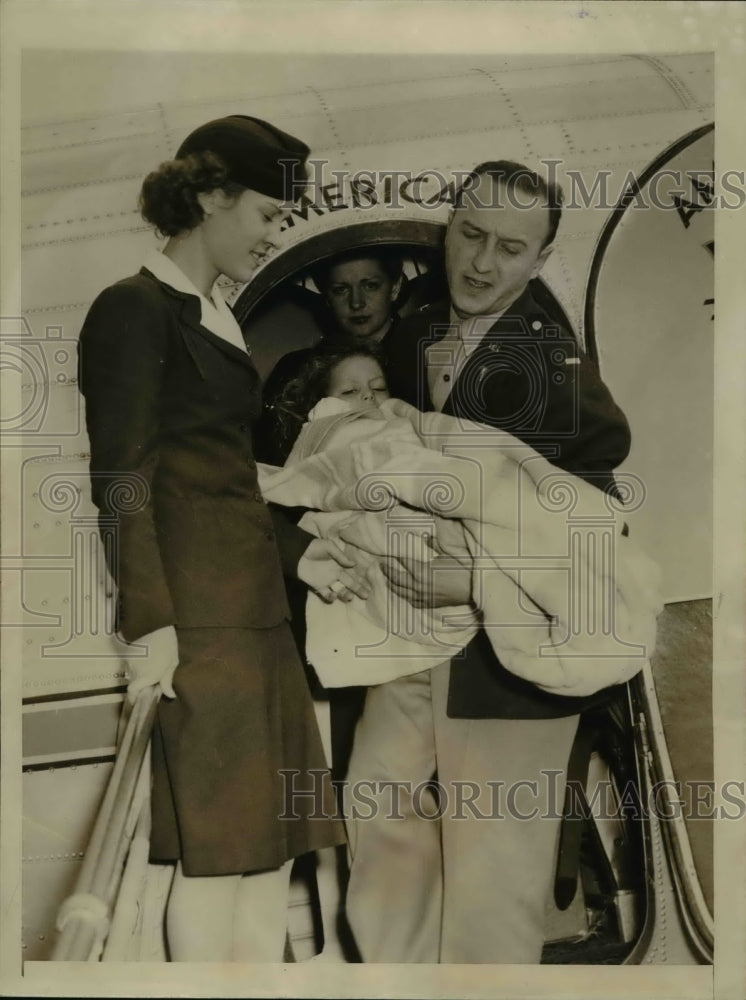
pixel 169 410
pixel 528 377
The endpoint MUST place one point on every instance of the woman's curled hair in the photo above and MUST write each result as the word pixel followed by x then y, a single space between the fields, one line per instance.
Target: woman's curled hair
pixel 168 197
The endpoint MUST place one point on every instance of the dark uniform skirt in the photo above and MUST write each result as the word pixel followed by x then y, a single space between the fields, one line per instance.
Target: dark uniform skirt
pixel 240 781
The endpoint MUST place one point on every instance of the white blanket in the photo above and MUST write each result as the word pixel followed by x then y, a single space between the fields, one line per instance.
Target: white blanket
pixel 567 602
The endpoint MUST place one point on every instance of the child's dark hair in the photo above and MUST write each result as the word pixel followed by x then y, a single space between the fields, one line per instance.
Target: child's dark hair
pixel 289 409
pixel 168 197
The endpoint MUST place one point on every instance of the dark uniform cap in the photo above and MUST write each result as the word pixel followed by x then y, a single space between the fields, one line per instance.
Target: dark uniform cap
pixel 257 154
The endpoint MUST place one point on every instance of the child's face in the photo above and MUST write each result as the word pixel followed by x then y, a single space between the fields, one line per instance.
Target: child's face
pixel 359 381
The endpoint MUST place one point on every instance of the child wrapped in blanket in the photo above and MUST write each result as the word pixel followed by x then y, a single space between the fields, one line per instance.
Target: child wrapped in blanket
pixel 336 404
pixel 385 480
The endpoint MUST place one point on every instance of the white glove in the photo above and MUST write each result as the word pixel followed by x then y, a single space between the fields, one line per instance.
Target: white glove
pixel 157 666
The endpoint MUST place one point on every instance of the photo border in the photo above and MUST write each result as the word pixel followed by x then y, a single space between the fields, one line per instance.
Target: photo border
pixel 398 26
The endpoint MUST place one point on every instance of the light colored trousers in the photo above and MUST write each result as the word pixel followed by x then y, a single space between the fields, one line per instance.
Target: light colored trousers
pixel 460 888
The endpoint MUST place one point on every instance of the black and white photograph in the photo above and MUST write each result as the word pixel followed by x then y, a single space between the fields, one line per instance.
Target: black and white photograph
pixel 299 704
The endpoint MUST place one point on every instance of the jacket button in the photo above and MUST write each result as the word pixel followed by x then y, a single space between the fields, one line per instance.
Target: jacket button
pixel 258 497
pixel 252 463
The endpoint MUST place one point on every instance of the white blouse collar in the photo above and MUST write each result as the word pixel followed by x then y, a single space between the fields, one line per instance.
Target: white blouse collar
pixel 215 314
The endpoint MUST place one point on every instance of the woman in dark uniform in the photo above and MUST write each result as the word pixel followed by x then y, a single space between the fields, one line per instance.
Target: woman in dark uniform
pixel 171 395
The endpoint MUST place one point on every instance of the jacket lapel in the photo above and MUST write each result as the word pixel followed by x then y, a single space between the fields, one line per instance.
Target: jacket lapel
pixel 509 327
pixel 189 313
pixel 190 316
pixel 512 324
pixel 438 316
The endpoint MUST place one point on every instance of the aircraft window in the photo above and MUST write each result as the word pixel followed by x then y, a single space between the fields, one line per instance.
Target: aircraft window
pixel 293 315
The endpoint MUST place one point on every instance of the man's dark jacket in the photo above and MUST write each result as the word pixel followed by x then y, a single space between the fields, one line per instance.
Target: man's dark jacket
pixel 527 377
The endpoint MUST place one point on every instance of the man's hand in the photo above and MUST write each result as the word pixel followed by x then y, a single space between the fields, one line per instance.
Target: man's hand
pixel 157 666
pixel 330 573
pixel 444 581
